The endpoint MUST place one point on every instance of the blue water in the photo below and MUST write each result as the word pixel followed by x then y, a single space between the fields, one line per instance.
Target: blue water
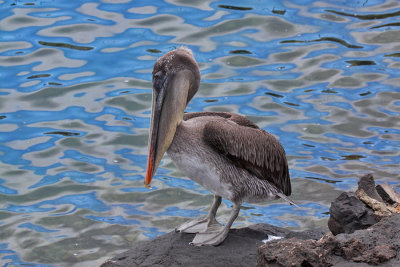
pixel 75 99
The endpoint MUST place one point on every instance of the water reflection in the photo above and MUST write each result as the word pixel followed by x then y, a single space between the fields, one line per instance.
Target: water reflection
pixel 75 103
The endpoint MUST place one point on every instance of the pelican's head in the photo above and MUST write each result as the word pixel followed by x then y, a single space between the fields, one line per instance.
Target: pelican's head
pixel 176 79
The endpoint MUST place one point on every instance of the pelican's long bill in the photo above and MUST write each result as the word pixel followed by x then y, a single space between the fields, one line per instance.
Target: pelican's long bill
pixel 169 101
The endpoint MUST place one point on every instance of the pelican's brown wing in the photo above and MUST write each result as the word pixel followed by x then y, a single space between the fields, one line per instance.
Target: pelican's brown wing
pixel 253 149
pixel 238 119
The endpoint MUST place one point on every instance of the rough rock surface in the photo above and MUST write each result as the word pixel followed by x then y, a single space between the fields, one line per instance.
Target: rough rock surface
pixel 359 210
pixel 367 183
pixel 377 245
pixel 348 214
pixel 173 249
pixel 388 194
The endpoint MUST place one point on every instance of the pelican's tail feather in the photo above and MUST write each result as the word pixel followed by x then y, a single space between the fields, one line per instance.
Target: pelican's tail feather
pixel 287 199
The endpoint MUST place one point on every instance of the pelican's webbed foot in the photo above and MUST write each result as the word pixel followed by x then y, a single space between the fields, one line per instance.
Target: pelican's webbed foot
pixel 215 235
pixel 211 237
pixel 202 224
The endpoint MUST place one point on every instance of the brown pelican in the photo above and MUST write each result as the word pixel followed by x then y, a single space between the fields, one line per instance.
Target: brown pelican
pixel 224 152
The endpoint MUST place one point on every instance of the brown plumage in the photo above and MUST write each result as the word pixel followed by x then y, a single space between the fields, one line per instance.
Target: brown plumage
pixel 224 152
pixel 248 147
pixel 254 150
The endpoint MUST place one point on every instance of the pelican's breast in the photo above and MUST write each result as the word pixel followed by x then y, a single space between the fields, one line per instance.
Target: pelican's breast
pixel 196 159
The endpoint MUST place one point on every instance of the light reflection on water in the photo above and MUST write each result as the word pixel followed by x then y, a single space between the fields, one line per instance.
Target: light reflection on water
pixel 75 98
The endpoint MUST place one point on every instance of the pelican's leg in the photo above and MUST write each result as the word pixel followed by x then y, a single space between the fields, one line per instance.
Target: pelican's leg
pixel 201 224
pixel 215 237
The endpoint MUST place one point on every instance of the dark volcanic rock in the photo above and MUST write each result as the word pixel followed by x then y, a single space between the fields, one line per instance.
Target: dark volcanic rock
pixel 378 245
pixel 367 183
pixel 173 249
pixel 348 213
pixel 388 194
pixel 294 252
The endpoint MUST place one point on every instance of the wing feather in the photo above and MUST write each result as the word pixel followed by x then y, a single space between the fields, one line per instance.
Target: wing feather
pixel 240 120
pixel 253 149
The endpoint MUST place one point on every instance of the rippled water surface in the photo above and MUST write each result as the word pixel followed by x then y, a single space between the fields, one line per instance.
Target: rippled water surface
pixel 75 92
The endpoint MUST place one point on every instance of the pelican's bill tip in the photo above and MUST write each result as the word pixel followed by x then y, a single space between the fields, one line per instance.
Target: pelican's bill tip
pixel 148 186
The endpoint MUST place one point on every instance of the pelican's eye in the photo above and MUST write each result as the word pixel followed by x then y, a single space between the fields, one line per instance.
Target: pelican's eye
pixel 158 75
pixel 158 80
